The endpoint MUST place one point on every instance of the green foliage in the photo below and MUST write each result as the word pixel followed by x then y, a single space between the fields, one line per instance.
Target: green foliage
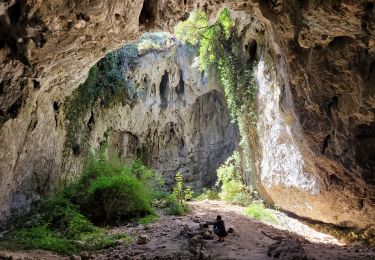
pixel 209 194
pixel 153 182
pixel 221 50
pixel 196 30
pixel 230 170
pixel 147 46
pixel 109 191
pixel 151 42
pixel 130 53
pixel 178 189
pixel 175 207
pixel 63 217
pixel 230 179
pixel 106 191
pixel 193 29
pixel 234 191
pixel 180 192
pixel 118 196
pixel 40 237
pixel 176 202
pixel 188 193
pixel 105 86
pixel 56 225
pixel 148 219
pixel 258 211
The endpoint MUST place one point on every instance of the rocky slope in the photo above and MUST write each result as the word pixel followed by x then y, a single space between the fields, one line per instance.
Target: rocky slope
pixel 323 53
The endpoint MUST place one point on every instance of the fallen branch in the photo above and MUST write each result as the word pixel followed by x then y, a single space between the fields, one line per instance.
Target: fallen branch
pixel 276 238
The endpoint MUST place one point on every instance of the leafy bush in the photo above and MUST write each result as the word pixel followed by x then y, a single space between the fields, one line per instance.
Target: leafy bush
pixel 55 224
pixel 209 194
pixel 63 223
pixel 180 192
pixel 117 197
pixel 234 191
pixel 230 179
pixel 153 182
pixel 40 237
pixel 130 54
pixel 148 219
pixel 63 217
pixel 174 207
pixel 220 50
pixel 176 202
pixel 258 211
pixel 109 191
pixel 190 31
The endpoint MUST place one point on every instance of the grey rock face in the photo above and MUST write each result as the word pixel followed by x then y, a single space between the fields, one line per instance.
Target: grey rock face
pixel 178 120
pixel 324 51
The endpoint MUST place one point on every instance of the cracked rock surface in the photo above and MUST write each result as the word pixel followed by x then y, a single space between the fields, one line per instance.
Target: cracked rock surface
pixel 324 53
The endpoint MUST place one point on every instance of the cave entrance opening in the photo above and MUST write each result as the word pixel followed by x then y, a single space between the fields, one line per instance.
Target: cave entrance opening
pixel 182 97
pixel 183 102
pixel 180 103
pixel 169 113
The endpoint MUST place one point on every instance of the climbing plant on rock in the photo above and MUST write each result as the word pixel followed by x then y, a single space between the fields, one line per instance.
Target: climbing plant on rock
pixel 220 51
pixel 106 86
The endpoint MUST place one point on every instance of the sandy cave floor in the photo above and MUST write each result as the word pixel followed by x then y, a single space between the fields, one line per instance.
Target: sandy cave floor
pixel 167 241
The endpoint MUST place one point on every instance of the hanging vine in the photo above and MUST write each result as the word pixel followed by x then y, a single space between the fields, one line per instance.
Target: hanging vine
pixel 220 51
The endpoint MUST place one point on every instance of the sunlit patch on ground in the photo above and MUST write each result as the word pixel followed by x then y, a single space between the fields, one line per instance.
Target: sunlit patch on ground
pixel 284 222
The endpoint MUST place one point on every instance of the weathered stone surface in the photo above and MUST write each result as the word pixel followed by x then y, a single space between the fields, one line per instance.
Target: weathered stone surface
pixel 46 50
pixel 143 239
pixel 324 67
pixel 177 121
pixel 323 53
pixel 287 250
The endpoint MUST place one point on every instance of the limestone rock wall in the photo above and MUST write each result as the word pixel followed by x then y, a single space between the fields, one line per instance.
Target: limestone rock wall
pixel 323 52
pixel 177 121
pixel 320 59
pixel 326 66
pixel 46 51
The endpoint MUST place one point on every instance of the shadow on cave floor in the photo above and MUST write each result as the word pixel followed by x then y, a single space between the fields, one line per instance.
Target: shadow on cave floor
pixel 173 237
pixel 169 238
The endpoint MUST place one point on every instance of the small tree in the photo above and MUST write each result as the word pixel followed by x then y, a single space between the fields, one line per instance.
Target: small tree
pixel 180 192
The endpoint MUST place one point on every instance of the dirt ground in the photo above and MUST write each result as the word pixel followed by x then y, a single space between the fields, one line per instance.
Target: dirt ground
pixel 174 237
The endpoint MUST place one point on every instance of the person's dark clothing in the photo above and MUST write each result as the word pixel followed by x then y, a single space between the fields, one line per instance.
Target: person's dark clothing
pixel 219 228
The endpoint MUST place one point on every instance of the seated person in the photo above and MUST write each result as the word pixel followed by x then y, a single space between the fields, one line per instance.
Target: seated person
pixel 219 228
